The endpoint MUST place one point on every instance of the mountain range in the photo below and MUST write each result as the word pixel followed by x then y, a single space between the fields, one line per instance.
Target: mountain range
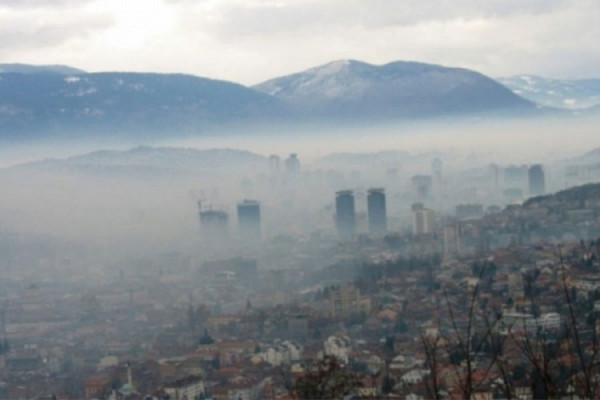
pixel 561 93
pixel 125 102
pixel 146 161
pixel 42 101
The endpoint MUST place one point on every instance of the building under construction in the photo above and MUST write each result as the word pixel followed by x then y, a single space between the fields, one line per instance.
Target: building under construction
pixel 213 222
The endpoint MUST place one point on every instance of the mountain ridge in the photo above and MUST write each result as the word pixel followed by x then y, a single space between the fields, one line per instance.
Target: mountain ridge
pixel 574 94
pixel 56 103
pixel 36 69
pixel 122 102
pixel 149 160
pixel 350 88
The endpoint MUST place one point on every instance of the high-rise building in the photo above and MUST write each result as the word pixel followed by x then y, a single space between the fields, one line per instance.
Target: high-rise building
pixel 494 171
pixel 248 212
pixel 292 164
pixel 344 301
pixel 421 185
pixel 214 222
pixel 345 216
pixel 515 175
pixel 377 211
pixel 423 222
pixel 274 164
pixel 436 170
pixel 451 239
pixel 417 206
pixel 537 181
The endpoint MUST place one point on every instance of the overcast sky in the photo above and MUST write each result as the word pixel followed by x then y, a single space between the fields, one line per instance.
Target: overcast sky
pixel 249 41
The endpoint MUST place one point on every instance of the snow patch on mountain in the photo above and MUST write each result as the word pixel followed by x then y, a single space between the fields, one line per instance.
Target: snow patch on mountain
pixel 355 89
pixel 571 94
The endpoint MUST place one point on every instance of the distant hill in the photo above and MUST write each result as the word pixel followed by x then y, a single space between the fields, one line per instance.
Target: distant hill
pixel 353 89
pixel 562 93
pixel 589 157
pixel 126 103
pixel 36 69
pixel 150 161
pixel 582 193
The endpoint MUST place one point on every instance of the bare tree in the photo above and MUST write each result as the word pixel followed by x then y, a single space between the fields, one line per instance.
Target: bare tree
pixel 328 379
pixel 432 347
pixel 587 368
pixel 554 361
pixel 565 359
pixel 480 319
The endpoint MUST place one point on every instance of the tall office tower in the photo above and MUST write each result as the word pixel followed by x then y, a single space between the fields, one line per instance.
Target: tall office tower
pixel 345 217
pixel 436 169
pixel 292 164
pixel 515 175
pixel 423 222
pixel 452 239
pixel 274 164
pixel 537 181
pixel 421 185
pixel 495 171
pixel 213 222
pixel 416 207
pixel 248 212
pixel 377 211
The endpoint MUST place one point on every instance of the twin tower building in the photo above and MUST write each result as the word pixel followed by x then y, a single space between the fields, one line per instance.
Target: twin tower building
pixel 345 214
pixel 215 223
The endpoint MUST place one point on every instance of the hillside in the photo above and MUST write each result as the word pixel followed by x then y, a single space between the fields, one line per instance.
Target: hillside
pixel 58 101
pixel 353 89
pixel 582 193
pixel 126 103
pixel 151 161
pixel 39 69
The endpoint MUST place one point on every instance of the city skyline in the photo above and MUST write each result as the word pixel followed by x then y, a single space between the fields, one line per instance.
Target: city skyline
pixel 387 227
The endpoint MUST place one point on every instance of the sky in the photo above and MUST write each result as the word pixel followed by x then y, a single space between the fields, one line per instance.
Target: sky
pixel 249 41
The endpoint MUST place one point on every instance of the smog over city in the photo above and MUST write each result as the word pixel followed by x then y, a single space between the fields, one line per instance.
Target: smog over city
pixel 296 199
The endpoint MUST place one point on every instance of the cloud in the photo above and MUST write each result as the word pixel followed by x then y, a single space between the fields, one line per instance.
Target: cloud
pixel 266 18
pixel 29 32
pixel 253 40
pixel 271 37
pixel 24 4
